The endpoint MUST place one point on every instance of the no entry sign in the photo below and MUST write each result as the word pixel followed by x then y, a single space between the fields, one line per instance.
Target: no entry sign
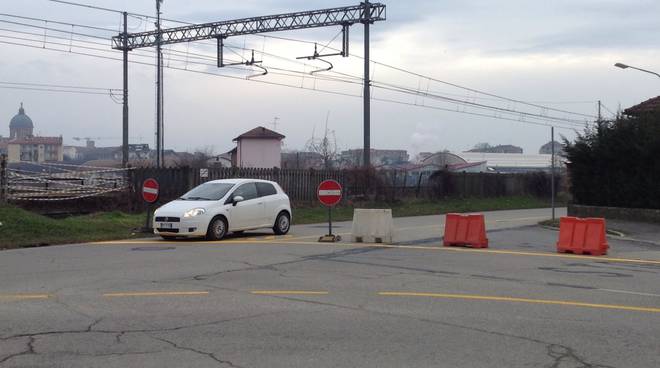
pixel 329 193
pixel 150 190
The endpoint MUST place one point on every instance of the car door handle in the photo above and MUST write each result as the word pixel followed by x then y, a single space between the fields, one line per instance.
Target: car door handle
pixel 260 202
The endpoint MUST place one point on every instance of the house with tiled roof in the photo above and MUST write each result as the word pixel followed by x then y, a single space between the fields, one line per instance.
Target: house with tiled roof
pixel 650 106
pixel 259 147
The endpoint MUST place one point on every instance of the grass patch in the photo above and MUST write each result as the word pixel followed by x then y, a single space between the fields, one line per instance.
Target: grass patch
pixel 22 228
pixel 310 215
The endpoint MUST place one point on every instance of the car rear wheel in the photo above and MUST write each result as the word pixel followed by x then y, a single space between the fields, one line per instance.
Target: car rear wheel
pixel 282 223
pixel 217 229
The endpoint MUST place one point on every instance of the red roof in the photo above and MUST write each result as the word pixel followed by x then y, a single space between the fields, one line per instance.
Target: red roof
pixel 649 106
pixel 260 133
pixel 56 141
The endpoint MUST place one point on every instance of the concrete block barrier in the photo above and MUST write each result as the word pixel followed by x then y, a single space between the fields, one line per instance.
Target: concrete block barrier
pixel 372 226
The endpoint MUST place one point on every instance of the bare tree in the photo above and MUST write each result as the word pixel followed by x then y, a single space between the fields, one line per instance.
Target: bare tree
pixel 197 159
pixel 326 146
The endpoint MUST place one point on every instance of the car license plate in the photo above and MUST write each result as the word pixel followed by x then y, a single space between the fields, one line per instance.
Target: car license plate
pixel 166 225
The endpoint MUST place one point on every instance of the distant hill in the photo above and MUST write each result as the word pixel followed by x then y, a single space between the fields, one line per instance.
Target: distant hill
pixel 503 148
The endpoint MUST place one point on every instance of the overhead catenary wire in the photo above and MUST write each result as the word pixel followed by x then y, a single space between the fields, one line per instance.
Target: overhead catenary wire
pixel 396 89
pixel 293 86
pixel 215 74
pixel 59 86
pixel 400 69
pixel 293 71
pixel 59 22
pixel 109 93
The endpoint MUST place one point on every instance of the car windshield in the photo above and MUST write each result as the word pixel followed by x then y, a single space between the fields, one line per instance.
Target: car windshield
pixel 207 192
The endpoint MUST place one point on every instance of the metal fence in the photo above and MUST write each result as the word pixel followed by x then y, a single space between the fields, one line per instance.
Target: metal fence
pixel 61 182
pixel 358 184
pixel 300 185
pixel 89 189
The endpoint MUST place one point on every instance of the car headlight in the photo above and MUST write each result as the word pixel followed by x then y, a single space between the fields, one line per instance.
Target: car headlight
pixel 194 212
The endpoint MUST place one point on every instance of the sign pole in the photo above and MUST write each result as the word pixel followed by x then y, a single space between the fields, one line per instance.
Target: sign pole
pixel 330 221
pixel 150 194
pixel 147 226
pixel 329 193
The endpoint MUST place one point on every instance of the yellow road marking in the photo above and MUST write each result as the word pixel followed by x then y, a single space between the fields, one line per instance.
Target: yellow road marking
pixel 288 292
pixel 522 300
pixel 24 296
pixel 418 247
pixel 473 250
pixel 156 293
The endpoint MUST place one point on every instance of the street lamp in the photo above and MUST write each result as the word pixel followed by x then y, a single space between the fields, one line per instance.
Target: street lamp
pixel 624 66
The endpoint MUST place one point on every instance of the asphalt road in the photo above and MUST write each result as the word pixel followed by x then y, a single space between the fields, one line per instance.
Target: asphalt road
pixel 261 301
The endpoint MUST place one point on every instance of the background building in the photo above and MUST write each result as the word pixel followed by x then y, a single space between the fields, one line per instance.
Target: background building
pixel 259 147
pixel 23 146
pixel 302 160
pixel 502 148
pixel 546 149
pixel 379 157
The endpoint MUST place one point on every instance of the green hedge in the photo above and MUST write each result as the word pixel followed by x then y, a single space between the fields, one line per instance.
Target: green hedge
pixel 618 164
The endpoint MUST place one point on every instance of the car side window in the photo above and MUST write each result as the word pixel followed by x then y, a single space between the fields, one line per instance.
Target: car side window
pixel 266 189
pixel 247 191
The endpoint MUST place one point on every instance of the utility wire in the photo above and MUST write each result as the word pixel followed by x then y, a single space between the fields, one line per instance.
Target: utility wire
pixel 109 93
pixel 60 86
pixel 397 88
pixel 58 22
pixel 52 29
pixel 291 86
pixel 388 87
pixel 373 61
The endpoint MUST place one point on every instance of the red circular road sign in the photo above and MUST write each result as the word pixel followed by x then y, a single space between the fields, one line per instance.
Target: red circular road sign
pixel 150 190
pixel 329 192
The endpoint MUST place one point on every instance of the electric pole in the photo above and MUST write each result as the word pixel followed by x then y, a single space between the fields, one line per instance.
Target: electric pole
pixel 124 147
pixel 365 13
pixel 552 173
pixel 366 154
pixel 159 90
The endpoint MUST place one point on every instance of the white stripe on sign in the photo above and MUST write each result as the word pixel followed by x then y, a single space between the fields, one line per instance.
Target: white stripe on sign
pixel 330 192
pixel 150 190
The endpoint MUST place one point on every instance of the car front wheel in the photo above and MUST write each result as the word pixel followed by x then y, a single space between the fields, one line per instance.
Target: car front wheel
pixel 282 223
pixel 217 229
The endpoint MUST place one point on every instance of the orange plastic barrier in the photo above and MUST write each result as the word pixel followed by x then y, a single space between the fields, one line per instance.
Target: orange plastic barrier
pixel 582 236
pixel 465 230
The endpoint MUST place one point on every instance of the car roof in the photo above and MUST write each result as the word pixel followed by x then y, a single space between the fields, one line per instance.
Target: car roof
pixel 240 181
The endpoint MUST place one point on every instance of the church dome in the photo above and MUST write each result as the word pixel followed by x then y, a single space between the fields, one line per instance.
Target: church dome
pixel 21 121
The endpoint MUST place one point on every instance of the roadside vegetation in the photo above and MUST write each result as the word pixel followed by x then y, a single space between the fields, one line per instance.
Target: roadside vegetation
pixel 22 228
pixel 419 207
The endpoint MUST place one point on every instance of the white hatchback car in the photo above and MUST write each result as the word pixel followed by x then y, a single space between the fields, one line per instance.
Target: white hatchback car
pixel 217 207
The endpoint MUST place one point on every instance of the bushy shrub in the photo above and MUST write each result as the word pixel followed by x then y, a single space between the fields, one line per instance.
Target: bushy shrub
pixel 617 164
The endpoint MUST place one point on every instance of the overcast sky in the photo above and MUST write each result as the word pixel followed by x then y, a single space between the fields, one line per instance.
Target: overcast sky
pixel 557 53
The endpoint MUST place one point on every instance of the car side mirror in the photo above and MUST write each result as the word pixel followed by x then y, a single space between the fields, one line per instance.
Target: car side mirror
pixel 237 199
